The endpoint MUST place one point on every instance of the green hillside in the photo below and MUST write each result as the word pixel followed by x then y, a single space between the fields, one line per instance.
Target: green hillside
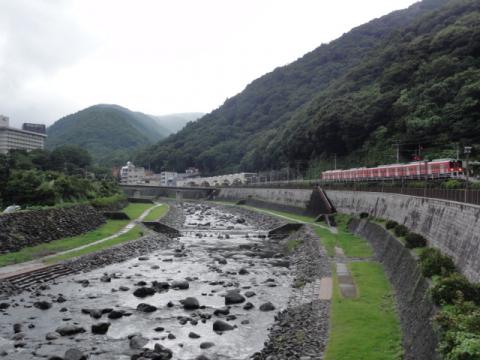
pixel 111 133
pixel 411 76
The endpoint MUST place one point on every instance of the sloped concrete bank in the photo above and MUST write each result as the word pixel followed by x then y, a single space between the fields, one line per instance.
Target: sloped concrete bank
pixel 413 303
pixel 27 228
pixel 452 227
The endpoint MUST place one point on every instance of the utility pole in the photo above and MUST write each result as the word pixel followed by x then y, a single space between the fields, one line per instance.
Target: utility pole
pixel 457 149
pixel 335 161
pixel 467 150
pixel 397 146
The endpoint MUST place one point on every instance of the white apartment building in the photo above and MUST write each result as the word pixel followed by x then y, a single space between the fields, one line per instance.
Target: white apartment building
pixel 168 178
pixel 132 175
pixel 12 138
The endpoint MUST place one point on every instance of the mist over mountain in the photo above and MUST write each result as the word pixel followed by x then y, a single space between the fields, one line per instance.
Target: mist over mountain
pixel 412 76
pixel 111 133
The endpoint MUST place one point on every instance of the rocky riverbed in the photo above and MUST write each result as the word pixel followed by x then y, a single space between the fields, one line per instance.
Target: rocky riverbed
pixel 213 293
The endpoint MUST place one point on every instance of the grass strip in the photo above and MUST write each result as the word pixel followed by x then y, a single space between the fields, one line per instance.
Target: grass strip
pixel 366 327
pixel 134 210
pixel 133 234
pixel 157 213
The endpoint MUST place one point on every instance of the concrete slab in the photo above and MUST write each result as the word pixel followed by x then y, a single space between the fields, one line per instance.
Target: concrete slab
pixel 326 288
pixel 347 286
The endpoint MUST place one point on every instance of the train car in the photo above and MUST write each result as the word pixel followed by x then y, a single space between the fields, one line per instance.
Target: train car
pixel 442 168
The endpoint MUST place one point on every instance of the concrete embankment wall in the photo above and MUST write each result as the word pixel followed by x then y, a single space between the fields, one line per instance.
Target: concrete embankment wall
pixel 277 199
pixel 411 289
pixel 28 228
pixel 452 227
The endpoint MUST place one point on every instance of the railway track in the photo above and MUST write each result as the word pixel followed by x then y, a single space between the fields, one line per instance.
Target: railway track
pixel 28 279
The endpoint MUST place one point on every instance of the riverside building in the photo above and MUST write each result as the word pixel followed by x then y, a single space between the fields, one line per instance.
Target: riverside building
pixel 31 137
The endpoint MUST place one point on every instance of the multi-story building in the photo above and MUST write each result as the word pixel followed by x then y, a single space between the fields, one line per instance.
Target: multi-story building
pixel 23 139
pixel 132 175
pixel 168 178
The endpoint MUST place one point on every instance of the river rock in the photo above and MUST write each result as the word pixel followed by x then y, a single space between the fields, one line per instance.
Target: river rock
pixel 190 303
pixel 42 305
pixel 100 328
pixel 220 325
pixel 234 297
pixel 138 342
pixel 74 354
pixel 249 294
pixel 180 285
pixel 51 336
pixel 193 335
pixel 268 306
pixel 206 345
pixel 115 314
pixel 160 285
pixel 248 306
pixel 147 308
pixel 68 330
pixel 144 292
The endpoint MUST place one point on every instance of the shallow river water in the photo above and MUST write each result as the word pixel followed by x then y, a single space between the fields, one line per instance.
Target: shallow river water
pixel 213 248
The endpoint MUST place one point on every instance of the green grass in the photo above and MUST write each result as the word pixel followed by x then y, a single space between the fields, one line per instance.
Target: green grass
pixel 157 213
pixel 367 327
pixel 134 210
pixel 133 234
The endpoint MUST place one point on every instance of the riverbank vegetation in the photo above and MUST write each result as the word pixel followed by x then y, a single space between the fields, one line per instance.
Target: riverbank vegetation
pixel 42 178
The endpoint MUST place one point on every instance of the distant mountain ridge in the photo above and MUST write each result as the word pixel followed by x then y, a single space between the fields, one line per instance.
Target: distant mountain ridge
pixel 112 133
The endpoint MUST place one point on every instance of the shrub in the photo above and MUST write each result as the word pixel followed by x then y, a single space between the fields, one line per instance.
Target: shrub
pixel 391 224
pixel 364 215
pixel 454 288
pixel 401 230
pixel 413 240
pixel 434 263
pixel 459 326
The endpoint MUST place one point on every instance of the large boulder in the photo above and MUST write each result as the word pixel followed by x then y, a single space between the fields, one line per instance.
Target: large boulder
pixel 68 330
pixel 234 297
pixel 146 308
pixel 190 303
pixel 144 292
pixel 220 325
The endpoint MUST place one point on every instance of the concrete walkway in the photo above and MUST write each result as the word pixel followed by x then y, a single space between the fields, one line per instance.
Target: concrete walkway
pixel 15 269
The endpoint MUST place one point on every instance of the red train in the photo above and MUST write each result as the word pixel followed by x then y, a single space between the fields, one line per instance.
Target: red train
pixel 443 168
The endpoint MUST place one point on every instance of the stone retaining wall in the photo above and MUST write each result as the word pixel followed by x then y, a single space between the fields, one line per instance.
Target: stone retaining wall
pixel 411 290
pixel 452 227
pixel 28 228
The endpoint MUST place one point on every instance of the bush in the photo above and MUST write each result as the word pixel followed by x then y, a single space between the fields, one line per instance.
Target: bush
pixel 459 326
pixel 401 230
pixel 105 202
pixel 364 215
pixel 391 224
pixel 413 240
pixel 454 288
pixel 434 263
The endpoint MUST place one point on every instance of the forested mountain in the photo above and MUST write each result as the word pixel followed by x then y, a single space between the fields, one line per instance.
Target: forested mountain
pixel 111 133
pixel 412 76
pixel 175 122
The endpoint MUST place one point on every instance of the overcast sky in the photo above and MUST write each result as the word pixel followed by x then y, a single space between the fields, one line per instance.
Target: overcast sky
pixel 156 56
